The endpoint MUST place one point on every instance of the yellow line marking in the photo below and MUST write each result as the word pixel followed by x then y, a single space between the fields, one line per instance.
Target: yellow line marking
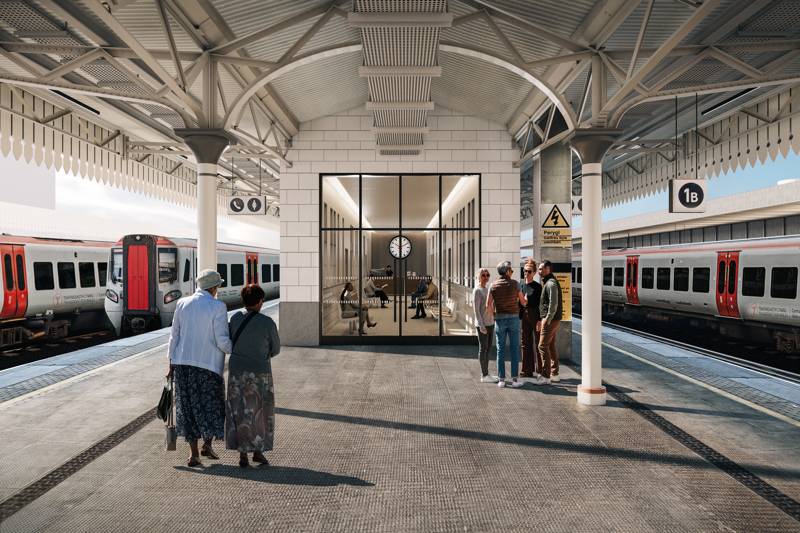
pixel 705 385
pixel 73 378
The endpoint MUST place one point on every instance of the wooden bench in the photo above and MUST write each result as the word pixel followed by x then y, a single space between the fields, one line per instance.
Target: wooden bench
pixel 448 313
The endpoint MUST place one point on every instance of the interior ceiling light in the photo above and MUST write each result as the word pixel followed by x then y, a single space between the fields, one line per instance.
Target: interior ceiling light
pixel 728 100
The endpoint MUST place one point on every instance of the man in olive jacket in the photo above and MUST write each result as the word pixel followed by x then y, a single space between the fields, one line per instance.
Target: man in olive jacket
pixel 551 311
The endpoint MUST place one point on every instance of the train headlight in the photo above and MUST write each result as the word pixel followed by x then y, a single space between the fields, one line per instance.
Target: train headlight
pixel 111 295
pixel 171 296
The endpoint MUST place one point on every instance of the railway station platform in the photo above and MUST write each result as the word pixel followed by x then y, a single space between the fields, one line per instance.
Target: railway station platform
pixel 405 438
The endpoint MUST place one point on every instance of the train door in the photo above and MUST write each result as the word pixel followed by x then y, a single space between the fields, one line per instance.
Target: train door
pixel 137 289
pixel 632 281
pixel 15 301
pixel 727 283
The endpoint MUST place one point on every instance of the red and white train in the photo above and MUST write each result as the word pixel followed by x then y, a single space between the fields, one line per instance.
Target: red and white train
pixel 148 274
pixel 50 286
pixel 744 289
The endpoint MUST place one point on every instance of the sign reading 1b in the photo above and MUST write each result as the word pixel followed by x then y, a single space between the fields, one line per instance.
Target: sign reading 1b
pixel 687 196
pixel 247 205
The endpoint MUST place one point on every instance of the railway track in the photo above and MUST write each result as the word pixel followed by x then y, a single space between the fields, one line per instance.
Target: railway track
pixel 782 373
pixel 42 349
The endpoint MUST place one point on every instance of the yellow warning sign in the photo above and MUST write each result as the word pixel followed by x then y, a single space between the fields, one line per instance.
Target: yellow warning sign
pixel 565 281
pixel 556 231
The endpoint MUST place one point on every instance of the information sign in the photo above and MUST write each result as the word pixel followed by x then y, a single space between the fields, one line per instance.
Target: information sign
pixel 247 205
pixel 565 281
pixel 556 231
pixel 687 196
pixel 577 205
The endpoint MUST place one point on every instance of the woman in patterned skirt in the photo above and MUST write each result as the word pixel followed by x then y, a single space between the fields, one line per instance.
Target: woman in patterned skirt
pixel 250 406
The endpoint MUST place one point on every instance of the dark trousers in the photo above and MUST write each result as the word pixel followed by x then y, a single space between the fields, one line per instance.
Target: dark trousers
pixel 485 346
pixel 415 295
pixel 420 309
pixel 548 358
pixel 382 295
pixel 530 341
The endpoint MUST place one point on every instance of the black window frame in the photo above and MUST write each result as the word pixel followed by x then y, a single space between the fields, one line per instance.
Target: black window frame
pixel 580 274
pixel 116 252
pixel 102 273
pixel 608 276
pixel 697 279
pixel 663 274
pixel 790 293
pixel 82 272
pixel 648 278
pixel 187 271
pixel 64 268
pixel 37 276
pixel 619 276
pixel 174 277
pixel 222 270
pixel 680 279
pixel 266 273
pixel 276 272
pixel 754 287
pixel 237 275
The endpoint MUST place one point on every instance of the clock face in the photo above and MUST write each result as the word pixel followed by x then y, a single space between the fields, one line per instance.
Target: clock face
pixel 400 247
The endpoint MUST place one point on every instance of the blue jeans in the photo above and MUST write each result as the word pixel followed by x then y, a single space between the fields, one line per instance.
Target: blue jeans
pixel 415 295
pixel 510 326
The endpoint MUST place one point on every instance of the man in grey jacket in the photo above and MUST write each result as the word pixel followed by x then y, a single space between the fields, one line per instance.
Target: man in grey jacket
pixel 551 311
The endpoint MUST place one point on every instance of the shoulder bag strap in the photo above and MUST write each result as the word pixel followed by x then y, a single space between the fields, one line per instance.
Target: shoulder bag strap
pixel 241 328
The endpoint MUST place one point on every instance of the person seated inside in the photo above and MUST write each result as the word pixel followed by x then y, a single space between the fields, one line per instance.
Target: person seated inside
pixel 372 291
pixel 389 271
pixel 349 303
pixel 431 296
pixel 421 290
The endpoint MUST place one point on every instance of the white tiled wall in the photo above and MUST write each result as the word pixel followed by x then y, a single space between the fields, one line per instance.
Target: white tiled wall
pixel 343 143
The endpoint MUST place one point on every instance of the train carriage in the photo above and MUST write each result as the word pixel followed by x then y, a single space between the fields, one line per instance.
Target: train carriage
pixel 743 289
pixel 148 275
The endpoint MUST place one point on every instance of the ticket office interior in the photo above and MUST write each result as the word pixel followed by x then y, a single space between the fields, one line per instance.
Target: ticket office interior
pixel 435 221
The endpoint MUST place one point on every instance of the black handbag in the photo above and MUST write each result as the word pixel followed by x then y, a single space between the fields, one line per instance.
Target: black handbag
pixel 165 404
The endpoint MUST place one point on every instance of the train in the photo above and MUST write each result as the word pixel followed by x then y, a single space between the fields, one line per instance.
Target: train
pixel 148 274
pixel 742 289
pixel 52 286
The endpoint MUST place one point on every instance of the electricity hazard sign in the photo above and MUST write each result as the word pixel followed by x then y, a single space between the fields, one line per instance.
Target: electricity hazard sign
pixel 556 230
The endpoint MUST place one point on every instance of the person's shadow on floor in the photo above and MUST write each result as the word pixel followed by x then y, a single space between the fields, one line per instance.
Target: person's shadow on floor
pixel 279 475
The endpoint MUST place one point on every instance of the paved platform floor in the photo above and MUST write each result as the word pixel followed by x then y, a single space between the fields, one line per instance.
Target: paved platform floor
pixel 406 439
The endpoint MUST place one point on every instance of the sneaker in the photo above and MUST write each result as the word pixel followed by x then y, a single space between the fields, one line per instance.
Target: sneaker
pixel 555 378
pixel 518 384
pixel 489 379
pixel 501 384
pixel 541 380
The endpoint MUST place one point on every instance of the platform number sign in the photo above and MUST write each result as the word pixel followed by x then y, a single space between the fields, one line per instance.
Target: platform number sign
pixel 687 196
pixel 247 205
pixel 577 205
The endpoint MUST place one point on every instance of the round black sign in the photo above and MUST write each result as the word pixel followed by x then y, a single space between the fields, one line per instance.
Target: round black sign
pixel 580 205
pixel 237 204
pixel 690 195
pixel 254 205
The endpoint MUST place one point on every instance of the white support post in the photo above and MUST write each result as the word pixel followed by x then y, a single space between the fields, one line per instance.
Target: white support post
pixel 206 216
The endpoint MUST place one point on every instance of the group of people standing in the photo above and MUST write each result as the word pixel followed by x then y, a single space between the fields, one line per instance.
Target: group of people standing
pixel 526 313
pixel 201 335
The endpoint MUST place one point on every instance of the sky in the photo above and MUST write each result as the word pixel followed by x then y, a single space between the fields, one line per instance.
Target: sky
pixel 743 180
pixel 89 197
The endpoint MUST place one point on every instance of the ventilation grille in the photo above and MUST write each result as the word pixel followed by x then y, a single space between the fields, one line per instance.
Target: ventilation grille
pixel 409 89
pixel 392 47
pixel 406 117
pixel 782 17
pixel 400 152
pixel 405 139
pixel 399 6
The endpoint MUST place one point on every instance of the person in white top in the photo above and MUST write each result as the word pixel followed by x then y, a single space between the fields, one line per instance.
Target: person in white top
pixel 198 343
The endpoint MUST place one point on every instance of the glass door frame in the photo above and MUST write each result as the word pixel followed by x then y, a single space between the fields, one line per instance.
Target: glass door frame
pixel 399 339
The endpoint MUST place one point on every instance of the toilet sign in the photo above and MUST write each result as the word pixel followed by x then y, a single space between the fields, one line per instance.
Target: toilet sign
pixel 247 205
pixel 687 196
pixel 556 230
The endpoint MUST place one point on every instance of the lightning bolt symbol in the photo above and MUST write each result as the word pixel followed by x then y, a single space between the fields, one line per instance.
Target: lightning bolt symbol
pixel 554 217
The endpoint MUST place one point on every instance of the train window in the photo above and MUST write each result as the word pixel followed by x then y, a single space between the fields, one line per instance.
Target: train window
pixel 680 279
pixel 753 281
pixel 86 273
pixel 732 278
pixel 701 279
pixel 630 278
pixel 784 282
pixel 237 275
pixel 266 273
pixel 187 271
pixel 66 276
pixel 721 278
pixel 167 265
pixel 574 274
pixel 607 276
pixel 580 274
pixel 20 273
pixel 619 277
pixel 43 276
pixel 662 279
pixel 223 273
pixel 276 272
pixel 9 267
pixel 102 273
pixel 647 278
pixel 116 265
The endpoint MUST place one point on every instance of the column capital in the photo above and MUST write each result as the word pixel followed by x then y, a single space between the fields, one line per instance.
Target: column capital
pixel 207 145
pixel 592 144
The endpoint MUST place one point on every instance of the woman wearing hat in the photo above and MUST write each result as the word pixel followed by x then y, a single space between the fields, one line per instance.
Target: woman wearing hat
pixel 198 343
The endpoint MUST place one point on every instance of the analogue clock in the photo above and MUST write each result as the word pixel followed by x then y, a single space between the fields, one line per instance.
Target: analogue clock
pixel 400 247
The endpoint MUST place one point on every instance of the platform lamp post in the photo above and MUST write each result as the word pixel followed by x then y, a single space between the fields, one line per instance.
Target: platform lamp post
pixel 591 146
pixel 207 146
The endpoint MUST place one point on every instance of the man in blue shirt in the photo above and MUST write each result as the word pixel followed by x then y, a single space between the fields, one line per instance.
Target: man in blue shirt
pixel 421 291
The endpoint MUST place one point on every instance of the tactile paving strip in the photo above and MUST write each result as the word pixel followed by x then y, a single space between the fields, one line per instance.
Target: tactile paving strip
pixel 777 498
pixel 47 482
pixel 29 385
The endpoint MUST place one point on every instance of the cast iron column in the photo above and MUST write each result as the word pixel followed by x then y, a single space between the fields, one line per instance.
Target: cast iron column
pixel 591 146
pixel 207 147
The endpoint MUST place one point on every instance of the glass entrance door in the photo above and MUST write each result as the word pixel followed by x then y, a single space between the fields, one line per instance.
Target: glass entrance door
pixel 398 255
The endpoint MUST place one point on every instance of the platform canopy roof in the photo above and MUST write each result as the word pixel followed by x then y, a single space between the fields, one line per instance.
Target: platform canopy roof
pixel 706 84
